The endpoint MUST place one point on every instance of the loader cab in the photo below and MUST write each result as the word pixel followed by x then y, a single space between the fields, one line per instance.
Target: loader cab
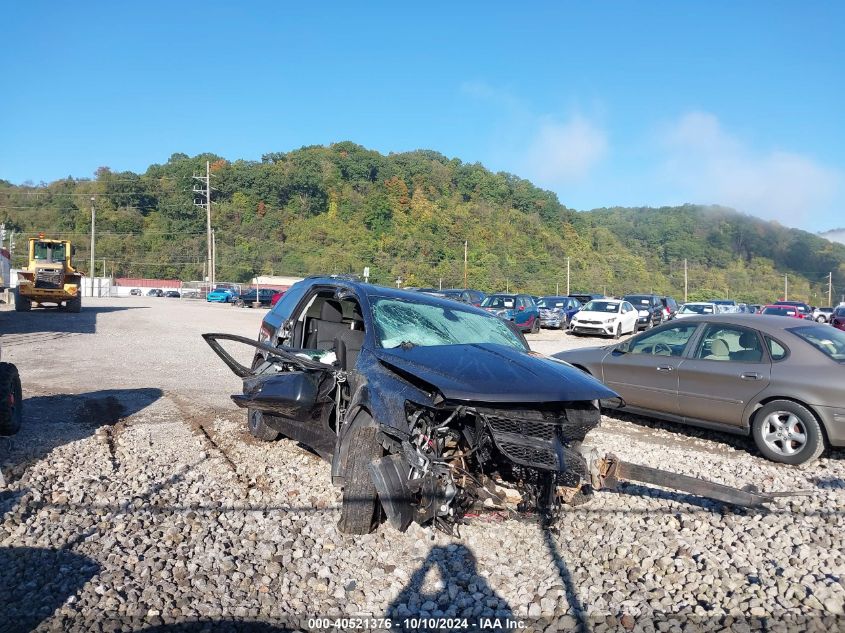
pixel 50 254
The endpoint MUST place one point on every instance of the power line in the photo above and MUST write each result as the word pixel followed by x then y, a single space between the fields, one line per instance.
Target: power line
pixel 141 234
pixel 90 193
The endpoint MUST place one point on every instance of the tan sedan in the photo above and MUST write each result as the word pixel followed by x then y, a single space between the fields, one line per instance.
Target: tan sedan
pixel 779 380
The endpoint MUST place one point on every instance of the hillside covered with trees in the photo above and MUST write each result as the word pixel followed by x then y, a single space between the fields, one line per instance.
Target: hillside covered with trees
pixel 339 208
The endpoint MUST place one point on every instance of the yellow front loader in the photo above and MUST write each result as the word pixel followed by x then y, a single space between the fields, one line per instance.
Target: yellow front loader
pixel 49 277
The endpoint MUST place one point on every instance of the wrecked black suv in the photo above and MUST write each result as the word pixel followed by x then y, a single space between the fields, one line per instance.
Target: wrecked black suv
pixel 423 406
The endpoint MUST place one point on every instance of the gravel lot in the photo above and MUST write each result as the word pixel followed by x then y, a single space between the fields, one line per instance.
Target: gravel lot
pixel 135 498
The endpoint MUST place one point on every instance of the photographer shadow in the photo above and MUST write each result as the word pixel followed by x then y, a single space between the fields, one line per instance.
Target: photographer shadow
pixel 36 581
pixel 458 592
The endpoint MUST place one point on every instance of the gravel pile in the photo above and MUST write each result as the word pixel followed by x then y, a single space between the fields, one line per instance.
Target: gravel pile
pixel 158 508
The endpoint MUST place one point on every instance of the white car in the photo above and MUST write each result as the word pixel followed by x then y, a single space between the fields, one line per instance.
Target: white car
pixel 606 317
pixel 697 308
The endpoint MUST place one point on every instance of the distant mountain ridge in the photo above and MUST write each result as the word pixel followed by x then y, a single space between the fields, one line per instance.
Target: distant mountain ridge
pixel 407 216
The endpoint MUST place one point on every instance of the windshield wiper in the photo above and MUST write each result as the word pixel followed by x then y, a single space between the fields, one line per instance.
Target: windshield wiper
pixel 405 345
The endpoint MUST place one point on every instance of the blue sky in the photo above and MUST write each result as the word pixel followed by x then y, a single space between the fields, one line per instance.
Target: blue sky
pixel 614 103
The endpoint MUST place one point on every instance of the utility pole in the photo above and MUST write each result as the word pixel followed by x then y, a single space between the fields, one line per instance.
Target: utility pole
pixel 91 271
pixel 785 287
pixel 686 280
pixel 206 193
pixel 466 247
pixel 567 276
pixel 213 257
pixel 557 288
pixel 830 288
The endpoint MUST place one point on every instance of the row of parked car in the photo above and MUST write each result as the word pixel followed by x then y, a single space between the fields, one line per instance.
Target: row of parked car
pixel 266 297
pixel 531 312
pixel 609 316
pixel 157 292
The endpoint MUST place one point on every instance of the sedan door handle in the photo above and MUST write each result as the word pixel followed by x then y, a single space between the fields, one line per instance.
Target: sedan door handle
pixel 665 368
pixel 751 375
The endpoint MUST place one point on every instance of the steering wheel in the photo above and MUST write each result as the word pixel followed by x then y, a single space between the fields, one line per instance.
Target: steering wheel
pixel 661 349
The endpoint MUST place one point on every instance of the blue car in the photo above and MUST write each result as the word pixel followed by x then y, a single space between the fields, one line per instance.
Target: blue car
pixel 520 309
pixel 557 312
pixel 222 295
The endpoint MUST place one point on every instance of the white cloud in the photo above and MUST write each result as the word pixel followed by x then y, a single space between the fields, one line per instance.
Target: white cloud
pixel 564 152
pixel 549 151
pixel 707 164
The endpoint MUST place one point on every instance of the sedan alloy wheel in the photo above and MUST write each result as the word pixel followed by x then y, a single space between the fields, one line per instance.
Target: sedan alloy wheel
pixel 787 432
pixel 784 433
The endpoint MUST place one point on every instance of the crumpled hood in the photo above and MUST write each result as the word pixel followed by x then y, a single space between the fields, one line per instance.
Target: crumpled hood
pixel 486 372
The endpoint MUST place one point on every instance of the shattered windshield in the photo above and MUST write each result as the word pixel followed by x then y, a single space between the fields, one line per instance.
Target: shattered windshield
pixel 398 322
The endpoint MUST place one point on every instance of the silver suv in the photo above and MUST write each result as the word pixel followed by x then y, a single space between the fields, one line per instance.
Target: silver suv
pixel 822 315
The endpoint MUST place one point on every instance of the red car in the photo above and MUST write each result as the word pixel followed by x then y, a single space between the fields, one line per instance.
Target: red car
pixel 837 319
pixel 782 310
pixel 276 296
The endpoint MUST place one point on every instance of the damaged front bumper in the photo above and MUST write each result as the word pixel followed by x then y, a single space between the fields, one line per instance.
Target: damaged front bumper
pixel 513 460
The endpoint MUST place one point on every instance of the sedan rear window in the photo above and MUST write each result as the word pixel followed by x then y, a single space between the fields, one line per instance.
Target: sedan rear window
pixel 827 340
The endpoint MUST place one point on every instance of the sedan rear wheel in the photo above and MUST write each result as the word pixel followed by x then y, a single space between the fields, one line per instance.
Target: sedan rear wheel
pixel 787 432
pixel 535 326
pixel 821 319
